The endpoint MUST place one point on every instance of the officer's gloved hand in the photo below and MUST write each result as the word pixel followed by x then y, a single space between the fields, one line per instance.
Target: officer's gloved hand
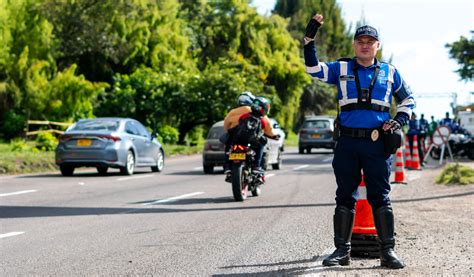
pixel 312 28
pixel 391 125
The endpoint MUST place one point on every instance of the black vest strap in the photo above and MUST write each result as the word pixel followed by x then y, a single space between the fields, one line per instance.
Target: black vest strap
pixel 364 99
pixel 364 106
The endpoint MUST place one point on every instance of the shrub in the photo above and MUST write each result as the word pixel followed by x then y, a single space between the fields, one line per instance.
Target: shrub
pixel 18 145
pixel 46 142
pixel 196 136
pixel 456 174
pixel 168 134
pixel 13 124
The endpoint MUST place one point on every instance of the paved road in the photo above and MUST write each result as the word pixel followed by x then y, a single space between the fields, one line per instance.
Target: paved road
pixel 178 222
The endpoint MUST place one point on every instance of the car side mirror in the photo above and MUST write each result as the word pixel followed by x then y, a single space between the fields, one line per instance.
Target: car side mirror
pixel 154 135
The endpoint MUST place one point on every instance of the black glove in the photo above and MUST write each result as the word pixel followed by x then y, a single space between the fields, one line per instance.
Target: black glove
pixel 312 28
pixel 394 125
pixel 262 140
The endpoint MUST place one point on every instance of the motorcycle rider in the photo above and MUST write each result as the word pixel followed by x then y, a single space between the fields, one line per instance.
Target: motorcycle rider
pixel 260 107
pixel 244 101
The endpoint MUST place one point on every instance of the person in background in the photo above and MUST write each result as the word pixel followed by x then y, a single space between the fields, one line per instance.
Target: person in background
pixel 447 121
pixel 431 128
pixel 423 132
pixel 414 130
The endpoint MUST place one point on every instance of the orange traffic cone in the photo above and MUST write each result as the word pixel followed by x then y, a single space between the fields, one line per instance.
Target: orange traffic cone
pixel 364 239
pixel 415 164
pixel 400 176
pixel 364 220
pixel 407 153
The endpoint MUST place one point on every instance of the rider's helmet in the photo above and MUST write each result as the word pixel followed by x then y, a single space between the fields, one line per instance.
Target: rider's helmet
pixel 245 99
pixel 261 105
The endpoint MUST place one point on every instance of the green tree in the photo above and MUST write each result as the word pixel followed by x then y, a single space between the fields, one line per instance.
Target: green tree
pixel 334 40
pixel 463 52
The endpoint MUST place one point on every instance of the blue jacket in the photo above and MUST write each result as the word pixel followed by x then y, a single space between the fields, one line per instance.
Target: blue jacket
pixel 388 83
pixel 424 126
pixel 413 127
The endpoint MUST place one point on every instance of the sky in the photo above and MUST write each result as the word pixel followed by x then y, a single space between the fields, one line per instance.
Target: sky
pixel 413 34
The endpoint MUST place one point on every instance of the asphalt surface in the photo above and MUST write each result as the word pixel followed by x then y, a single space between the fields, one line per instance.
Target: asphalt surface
pixel 177 222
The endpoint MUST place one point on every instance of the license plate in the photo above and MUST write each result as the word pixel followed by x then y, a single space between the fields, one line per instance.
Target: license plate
pixel 84 142
pixel 236 156
pixel 316 136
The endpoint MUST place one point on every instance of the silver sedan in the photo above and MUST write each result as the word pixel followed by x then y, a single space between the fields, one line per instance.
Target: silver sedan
pixel 122 143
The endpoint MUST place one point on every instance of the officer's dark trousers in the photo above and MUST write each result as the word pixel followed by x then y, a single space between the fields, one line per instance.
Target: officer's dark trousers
pixel 350 157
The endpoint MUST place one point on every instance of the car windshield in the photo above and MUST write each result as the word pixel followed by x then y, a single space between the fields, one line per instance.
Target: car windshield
pixel 215 132
pixel 96 125
pixel 316 124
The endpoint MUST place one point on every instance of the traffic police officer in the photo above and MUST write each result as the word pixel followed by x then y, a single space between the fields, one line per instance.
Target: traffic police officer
pixel 365 89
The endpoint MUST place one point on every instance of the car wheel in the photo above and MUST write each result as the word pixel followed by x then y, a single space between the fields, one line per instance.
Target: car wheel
pixel 129 164
pixel 66 170
pixel 277 166
pixel 102 170
pixel 208 168
pixel 301 150
pixel 160 162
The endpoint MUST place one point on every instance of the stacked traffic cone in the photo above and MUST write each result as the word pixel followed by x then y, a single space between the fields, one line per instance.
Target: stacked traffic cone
pixel 364 239
pixel 400 176
pixel 364 221
pixel 415 164
pixel 407 153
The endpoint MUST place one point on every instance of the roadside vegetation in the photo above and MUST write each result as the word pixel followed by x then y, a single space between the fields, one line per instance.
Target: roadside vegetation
pixel 455 173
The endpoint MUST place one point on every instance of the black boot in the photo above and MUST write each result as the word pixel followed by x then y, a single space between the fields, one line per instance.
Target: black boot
pixel 384 223
pixel 343 222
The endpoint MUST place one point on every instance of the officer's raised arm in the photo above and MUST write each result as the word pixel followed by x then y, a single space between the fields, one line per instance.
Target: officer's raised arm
pixel 317 70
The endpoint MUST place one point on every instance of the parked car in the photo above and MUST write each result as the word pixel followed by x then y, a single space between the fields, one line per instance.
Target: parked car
pixel 316 132
pixel 277 129
pixel 122 143
pixel 213 153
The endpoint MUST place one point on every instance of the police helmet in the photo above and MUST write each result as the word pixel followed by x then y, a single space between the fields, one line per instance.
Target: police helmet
pixel 245 99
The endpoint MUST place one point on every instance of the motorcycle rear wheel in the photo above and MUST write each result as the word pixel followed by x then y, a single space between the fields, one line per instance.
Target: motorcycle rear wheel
pixel 239 187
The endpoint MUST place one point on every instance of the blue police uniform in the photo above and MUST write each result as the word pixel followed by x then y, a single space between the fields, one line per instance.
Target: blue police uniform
pixel 360 115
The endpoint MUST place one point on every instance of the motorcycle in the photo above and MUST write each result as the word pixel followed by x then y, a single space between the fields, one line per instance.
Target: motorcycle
pixel 244 179
pixel 460 144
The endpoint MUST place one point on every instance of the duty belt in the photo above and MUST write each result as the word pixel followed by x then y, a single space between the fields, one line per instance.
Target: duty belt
pixel 372 134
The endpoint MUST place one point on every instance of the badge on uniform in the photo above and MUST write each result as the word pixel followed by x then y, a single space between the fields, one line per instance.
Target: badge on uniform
pixel 374 135
pixel 347 77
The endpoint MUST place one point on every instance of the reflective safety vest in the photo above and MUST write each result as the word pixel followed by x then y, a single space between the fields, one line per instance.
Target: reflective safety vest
pixel 362 108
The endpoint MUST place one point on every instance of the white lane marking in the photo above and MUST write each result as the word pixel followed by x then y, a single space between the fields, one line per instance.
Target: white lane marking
pixel 135 177
pixel 171 199
pixel 11 234
pixel 328 160
pixel 197 168
pixel 81 183
pixel 300 167
pixel 269 175
pixel 18 192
